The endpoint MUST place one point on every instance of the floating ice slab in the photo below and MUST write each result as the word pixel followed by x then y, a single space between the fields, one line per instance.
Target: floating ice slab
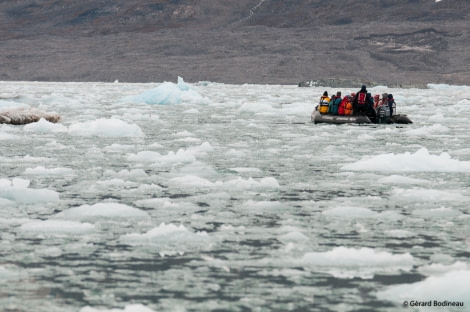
pixel 51 227
pixel 45 126
pixel 421 160
pixel 350 212
pixel 450 287
pixel 108 210
pixel 105 128
pixel 128 308
pixel 346 262
pixel 427 195
pixel 18 190
pixel 40 170
pixel 169 239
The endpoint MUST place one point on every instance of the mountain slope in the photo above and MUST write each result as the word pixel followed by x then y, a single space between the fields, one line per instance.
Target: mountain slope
pixel 261 41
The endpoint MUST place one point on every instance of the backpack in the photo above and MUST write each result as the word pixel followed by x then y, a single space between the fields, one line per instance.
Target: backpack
pixel 324 103
pixel 334 105
pixel 361 99
pixel 330 104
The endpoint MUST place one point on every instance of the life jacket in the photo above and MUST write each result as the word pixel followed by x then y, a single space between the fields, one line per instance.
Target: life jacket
pixel 361 99
pixel 334 105
pixel 324 103
pixel 345 108
pixel 348 108
pixel 376 100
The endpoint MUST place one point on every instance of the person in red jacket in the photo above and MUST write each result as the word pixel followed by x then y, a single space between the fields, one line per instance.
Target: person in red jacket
pixel 362 102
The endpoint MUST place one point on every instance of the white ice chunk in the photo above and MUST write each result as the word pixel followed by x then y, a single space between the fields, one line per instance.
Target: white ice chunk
pixel 17 190
pixel 442 212
pixel 8 273
pixel 51 227
pixel 419 161
pixel 169 93
pixel 169 239
pixel 44 126
pixel 441 269
pixel 40 170
pixel 105 128
pixel 108 210
pixel 350 212
pixel 346 262
pixel 428 195
pixel 398 179
pixel 128 308
pixel 450 287
pixel 399 233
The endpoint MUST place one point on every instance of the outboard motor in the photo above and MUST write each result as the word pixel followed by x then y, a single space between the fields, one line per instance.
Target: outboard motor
pixel 383 114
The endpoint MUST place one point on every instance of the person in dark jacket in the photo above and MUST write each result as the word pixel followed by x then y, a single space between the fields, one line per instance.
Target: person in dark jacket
pixel 391 104
pixel 363 102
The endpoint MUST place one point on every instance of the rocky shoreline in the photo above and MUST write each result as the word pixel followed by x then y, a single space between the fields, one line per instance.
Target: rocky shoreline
pixel 347 83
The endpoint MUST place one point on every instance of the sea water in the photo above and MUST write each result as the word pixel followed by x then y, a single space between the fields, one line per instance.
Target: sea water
pixel 215 197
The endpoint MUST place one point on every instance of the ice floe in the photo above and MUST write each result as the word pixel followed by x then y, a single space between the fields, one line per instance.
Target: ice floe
pixel 344 262
pixel 105 210
pixel 421 160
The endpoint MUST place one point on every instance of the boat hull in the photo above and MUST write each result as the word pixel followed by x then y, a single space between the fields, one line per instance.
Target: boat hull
pixel 347 119
pixel 401 119
pixel 338 119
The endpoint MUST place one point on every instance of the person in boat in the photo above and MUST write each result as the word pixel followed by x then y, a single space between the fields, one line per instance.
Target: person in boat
pixel 334 103
pixel 363 102
pixel 324 103
pixel 391 104
pixel 345 107
pixel 382 101
pixel 376 100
